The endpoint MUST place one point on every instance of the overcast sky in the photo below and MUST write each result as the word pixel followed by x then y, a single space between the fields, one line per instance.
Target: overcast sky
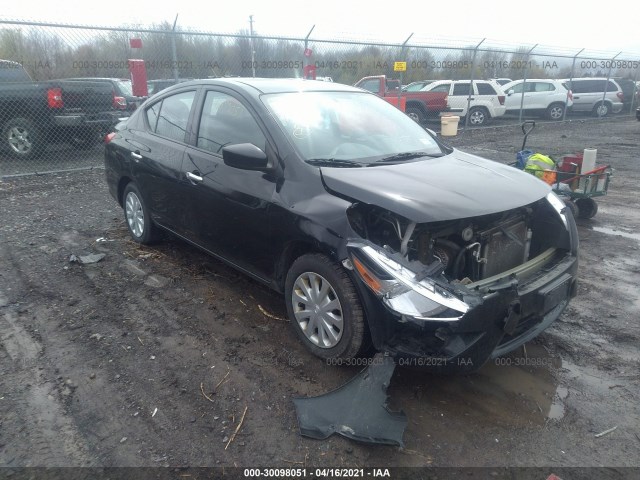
pixel 597 26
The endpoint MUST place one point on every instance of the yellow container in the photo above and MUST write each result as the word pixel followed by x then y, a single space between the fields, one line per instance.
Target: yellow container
pixel 449 125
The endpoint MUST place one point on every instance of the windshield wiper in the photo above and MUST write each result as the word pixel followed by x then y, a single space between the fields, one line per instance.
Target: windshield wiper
pixel 333 162
pixel 400 157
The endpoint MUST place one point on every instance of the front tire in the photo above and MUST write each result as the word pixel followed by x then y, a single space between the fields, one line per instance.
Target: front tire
pixel 324 308
pixel 136 214
pixel 23 138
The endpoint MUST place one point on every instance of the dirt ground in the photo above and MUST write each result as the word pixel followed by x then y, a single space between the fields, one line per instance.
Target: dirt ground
pixel 155 355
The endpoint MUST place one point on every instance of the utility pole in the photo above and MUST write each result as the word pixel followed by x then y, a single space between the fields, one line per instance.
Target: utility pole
pixel 253 52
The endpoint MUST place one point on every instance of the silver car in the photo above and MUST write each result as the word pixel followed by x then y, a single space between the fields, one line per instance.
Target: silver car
pixel 596 95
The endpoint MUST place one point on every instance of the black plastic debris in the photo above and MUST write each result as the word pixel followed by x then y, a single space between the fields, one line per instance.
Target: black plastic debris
pixel 357 410
pixel 87 259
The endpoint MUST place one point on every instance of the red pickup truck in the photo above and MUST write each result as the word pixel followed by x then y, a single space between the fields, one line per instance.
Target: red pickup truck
pixel 418 105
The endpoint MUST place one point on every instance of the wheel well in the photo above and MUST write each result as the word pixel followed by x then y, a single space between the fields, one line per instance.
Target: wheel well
pixel 480 107
pixel 122 184
pixel 290 254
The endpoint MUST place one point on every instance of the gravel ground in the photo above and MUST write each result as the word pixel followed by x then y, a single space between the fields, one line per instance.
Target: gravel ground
pixel 155 355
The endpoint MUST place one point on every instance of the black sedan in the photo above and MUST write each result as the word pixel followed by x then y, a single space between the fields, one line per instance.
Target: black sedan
pixel 375 232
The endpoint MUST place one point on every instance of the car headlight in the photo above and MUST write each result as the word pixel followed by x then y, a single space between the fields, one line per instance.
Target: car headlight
pixel 396 286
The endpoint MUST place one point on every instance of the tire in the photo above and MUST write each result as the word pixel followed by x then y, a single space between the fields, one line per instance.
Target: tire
pixel 139 223
pixel 416 115
pixel 478 117
pixel 555 112
pixel 314 282
pixel 587 207
pixel 601 109
pixel 22 138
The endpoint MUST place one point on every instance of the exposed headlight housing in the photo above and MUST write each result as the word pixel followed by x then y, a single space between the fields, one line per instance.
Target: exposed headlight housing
pixel 396 285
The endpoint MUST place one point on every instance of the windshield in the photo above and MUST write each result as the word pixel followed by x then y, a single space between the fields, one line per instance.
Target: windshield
pixel 349 127
pixel 125 87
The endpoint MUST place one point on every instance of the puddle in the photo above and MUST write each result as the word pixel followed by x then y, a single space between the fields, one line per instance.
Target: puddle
pixel 520 389
pixel 611 231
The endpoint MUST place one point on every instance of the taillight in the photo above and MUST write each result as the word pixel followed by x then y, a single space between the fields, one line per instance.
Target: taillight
pixel 108 137
pixel 54 98
pixel 620 96
pixel 119 103
pixel 570 95
pixel 501 99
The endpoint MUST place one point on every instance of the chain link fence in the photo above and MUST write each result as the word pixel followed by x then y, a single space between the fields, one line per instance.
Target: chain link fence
pixel 63 86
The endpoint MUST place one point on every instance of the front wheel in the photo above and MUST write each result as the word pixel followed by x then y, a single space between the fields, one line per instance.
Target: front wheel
pixel 139 221
pixel 324 308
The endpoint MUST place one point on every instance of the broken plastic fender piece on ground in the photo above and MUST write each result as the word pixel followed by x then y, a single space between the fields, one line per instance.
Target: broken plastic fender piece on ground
pixel 86 259
pixel 357 410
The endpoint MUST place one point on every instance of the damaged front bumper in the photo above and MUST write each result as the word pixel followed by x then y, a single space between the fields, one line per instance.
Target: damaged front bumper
pixel 425 320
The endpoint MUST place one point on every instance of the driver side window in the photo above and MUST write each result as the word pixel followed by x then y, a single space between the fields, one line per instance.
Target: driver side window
pixel 225 121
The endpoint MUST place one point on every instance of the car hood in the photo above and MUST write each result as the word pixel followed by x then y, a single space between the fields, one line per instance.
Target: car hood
pixel 458 185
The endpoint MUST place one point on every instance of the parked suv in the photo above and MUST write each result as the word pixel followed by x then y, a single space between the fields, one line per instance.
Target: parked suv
pixel 546 97
pixel 487 99
pixel 589 92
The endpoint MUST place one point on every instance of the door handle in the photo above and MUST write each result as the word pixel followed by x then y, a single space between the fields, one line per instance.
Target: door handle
pixel 136 156
pixel 194 177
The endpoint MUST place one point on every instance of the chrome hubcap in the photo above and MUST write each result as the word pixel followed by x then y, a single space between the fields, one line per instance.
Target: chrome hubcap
pixel 135 214
pixel 19 141
pixel 477 118
pixel 317 310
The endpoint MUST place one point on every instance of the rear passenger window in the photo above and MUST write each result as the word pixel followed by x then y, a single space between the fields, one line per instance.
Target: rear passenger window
pixel 173 116
pixel 485 89
pixel 460 89
pixel 225 121
pixel 441 88
pixel 543 87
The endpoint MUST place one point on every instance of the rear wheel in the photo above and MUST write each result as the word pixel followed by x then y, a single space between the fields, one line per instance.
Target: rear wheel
pixel 139 222
pixel 416 114
pixel 601 109
pixel 324 308
pixel 23 138
pixel 478 117
pixel 555 111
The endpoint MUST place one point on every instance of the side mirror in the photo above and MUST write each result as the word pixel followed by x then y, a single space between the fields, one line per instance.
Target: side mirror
pixel 510 92
pixel 245 156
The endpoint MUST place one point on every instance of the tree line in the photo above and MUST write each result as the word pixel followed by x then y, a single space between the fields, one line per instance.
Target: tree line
pixel 49 53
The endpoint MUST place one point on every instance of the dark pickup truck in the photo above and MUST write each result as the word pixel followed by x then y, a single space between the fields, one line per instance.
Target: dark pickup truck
pixel 34 114
pixel 418 105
